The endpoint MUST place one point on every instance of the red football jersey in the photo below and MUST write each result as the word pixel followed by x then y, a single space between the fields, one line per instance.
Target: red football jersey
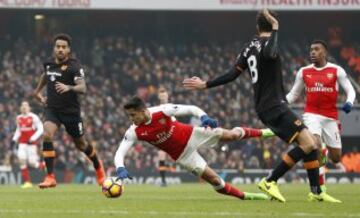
pixel 166 134
pixel 27 126
pixel 322 88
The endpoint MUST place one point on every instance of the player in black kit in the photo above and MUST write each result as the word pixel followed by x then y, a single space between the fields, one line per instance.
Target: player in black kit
pixel 261 58
pixel 64 81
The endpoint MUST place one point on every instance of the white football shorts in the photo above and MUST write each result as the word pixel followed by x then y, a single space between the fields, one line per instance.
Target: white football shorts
pixel 327 128
pixel 190 159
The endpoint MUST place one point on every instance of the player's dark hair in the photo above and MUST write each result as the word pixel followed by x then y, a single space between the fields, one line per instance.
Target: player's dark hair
pixel 263 24
pixel 135 103
pixel 63 36
pixel 322 42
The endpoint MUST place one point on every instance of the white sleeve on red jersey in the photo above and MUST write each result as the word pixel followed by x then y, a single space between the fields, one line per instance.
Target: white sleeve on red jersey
pixel 129 140
pixel 346 85
pixel 38 126
pixel 17 131
pixel 297 89
pixel 182 110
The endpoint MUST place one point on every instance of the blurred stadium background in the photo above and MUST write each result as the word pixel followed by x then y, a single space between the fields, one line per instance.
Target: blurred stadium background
pixel 134 46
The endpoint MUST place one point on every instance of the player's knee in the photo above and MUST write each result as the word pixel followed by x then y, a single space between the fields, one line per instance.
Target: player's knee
pixel 307 148
pixel 336 158
pixel 215 181
pixel 48 136
pixel 235 133
pixel 81 146
pixel 22 163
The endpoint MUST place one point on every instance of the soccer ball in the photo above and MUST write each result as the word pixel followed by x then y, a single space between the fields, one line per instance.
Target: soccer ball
pixel 112 188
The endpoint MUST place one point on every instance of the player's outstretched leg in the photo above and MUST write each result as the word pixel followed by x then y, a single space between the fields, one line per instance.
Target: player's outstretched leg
pixel 90 152
pixel 239 133
pixel 221 187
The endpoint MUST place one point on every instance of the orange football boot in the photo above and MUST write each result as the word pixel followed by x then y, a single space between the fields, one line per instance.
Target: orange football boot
pixel 49 182
pixel 100 174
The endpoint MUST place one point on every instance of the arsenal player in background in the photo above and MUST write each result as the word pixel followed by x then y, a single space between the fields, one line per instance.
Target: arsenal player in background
pixel 29 129
pixel 321 81
pixel 155 126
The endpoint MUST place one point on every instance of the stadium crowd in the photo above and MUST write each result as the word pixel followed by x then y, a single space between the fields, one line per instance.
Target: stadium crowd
pixel 119 67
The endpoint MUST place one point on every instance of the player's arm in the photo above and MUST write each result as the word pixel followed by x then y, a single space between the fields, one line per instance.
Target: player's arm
pixel 79 87
pixel 39 129
pixel 297 89
pixel 37 93
pixel 182 110
pixel 128 141
pixel 189 110
pixel 348 88
pixel 17 133
pixel 196 83
pixel 271 48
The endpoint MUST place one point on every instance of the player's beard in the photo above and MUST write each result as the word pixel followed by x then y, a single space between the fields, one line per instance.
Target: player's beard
pixel 61 57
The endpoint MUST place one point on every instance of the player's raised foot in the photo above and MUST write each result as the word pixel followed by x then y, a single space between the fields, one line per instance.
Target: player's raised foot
pixel 322 197
pixel 255 196
pixel 49 182
pixel 266 133
pixel 100 174
pixel 271 189
pixel 27 185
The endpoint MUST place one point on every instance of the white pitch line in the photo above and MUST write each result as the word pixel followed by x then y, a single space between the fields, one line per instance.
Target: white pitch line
pixel 172 213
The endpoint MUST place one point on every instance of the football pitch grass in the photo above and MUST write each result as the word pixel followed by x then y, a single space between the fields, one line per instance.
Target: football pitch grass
pixel 186 200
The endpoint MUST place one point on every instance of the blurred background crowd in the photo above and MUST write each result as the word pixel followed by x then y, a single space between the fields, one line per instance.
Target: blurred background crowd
pixel 121 65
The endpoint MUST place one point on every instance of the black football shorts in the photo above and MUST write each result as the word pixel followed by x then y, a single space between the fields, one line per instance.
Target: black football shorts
pixel 72 121
pixel 283 122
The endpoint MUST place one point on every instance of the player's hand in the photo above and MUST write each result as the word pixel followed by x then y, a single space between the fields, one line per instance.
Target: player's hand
pixel 122 173
pixel 347 107
pixel 40 98
pixel 271 19
pixel 207 121
pixel 61 88
pixel 194 83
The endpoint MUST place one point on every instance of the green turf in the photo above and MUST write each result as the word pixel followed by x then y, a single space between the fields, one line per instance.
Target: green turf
pixel 190 200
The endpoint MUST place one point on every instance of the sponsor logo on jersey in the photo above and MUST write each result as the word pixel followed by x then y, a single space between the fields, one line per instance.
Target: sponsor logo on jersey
pixel 53 75
pixel 163 136
pixel 319 87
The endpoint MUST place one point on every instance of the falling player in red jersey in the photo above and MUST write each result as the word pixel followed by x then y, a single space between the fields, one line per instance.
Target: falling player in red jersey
pixel 321 81
pixel 27 135
pixel 181 141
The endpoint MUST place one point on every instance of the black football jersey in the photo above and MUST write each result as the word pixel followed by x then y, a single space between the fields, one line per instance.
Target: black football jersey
pixel 66 72
pixel 265 72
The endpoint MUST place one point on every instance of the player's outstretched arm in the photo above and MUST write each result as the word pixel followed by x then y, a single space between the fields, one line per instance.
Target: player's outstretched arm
pixel 37 93
pixel 189 110
pixel 128 141
pixel 197 83
pixel 271 48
